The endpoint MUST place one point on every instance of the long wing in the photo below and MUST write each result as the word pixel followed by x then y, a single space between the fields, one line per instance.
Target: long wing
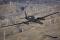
pixel 42 18
pixel 26 22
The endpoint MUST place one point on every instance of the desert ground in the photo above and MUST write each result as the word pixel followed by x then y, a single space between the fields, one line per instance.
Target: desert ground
pixel 34 31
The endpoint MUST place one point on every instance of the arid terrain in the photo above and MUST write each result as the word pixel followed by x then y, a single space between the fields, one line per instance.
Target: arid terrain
pixel 49 30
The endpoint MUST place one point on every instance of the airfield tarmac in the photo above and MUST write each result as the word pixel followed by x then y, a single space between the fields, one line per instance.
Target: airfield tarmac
pixel 33 31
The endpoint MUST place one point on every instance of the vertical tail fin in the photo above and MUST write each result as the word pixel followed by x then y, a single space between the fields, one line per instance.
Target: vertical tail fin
pixel 25 15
